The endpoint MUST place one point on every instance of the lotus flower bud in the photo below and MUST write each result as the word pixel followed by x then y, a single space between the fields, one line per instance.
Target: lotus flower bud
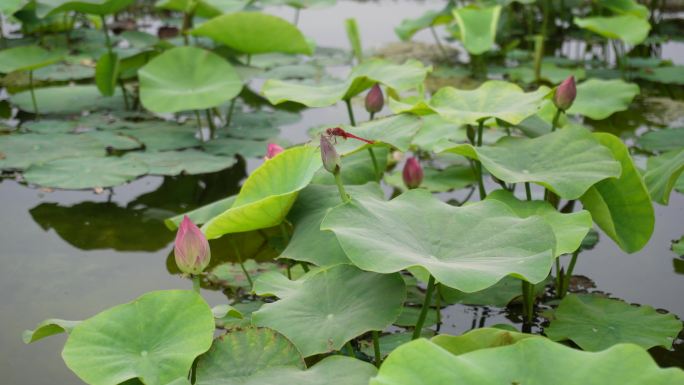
pixel 565 94
pixel 374 99
pixel 272 150
pixel 331 160
pixel 191 248
pixel 412 173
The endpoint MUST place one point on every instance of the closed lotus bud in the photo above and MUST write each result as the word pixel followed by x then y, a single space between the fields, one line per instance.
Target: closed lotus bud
pixel 272 150
pixel 565 94
pixel 191 248
pixel 331 160
pixel 412 173
pixel 374 99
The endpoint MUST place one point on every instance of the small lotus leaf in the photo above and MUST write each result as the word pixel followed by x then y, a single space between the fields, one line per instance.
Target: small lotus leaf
pixel 409 27
pixel 65 100
pixel 27 58
pixel 598 99
pixel 189 162
pixel 23 150
pixel 48 328
pixel 628 28
pixel 82 173
pixel 91 7
pixel 665 75
pixel 477 27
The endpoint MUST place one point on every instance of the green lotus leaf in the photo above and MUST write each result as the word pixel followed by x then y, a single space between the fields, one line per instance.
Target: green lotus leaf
pixel 9 7
pixel 187 78
pixel 268 193
pixel 107 73
pixel 189 162
pixel 308 243
pixel 64 71
pixel 247 148
pixel 28 58
pixel 453 177
pixel 205 8
pixel 254 33
pixel 154 338
pixel 91 7
pixel 83 173
pixel 223 311
pixel 236 356
pixel 665 75
pixel 422 362
pixel 662 140
pixel 567 162
pixel 400 77
pixel 202 215
pixel 477 27
pixel 467 248
pixel 113 140
pixel 48 328
pixel 628 28
pixel 323 310
pixel 65 100
pixel 599 99
pixel 596 323
pixel 625 7
pixel 409 317
pixel 499 295
pixel 436 129
pixel 549 71
pixel 662 173
pixel 20 151
pixel 678 246
pixel 333 370
pixel 389 342
pixel 568 228
pixel 357 168
pixel 477 339
pixel 158 135
pixel 493 99
pixel 396 131
pixel 300 4
pixel 621 206
pixel 409 27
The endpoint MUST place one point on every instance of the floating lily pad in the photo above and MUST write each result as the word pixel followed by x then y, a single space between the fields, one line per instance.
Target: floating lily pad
pixel 477 339
pixel 678 246
pixel 268 193
pixel 188 162
pixel 231 274
pixel 65 100
pixel 451 178
pixel 237 355
pixel 187 78
pixel 567 161
pixel 254 33
pixel 337 303
pixel 628 28
pixel 112 140
pixel 64 71
pixel 163 136
pixel 662 140
pixel 621 206
pixel 409 27
pixel 23 150
pixel 400 77
pixel 308 243
pixel 27 58
pixel 467 248
pixel 333 370
pixel 599 99
pixel 424 362
pixel 47 126
pixel 233 146
pixel 662 173
pixel 596 323
pixel 477 27
pixel 155 338
pixel 82 173
pixel 665 75
pixel 48 328
pixel 549 71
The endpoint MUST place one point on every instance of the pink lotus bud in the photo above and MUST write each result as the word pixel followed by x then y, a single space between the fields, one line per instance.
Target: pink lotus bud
pixel 565 94
pixel 374 99
pixel 191 248
pixel 331 160
pixel 413 173
pixel 272 150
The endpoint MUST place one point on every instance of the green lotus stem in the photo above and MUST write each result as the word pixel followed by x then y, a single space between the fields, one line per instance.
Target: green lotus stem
pixel 528 300
pixel 229 115
pixel 376 348
pixel 528 191
pixel 538 56
pixel 296 16
pixel 426 306
pixel 439 43
pixel 242 264
pixel 478 164
pixel 376 167
pixel 124 93
pixel 212 126
pixel 568 274
pixel 350 349
pixel 249 59
pixel 438 305
pixel 350 112
pixel 196 283
pixel 559 276
pixel 33 93
pixel 372 115
pixel 199 125
pixel 340 187
pixel 556 117
pixel 106 33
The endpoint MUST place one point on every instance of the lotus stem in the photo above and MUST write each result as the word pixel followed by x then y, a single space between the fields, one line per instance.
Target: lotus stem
pixel 199 125
pixel 350 112
pixel 376 167
pixel 210 121
pixel 528 191
pixel 556 117
pixel 439 43
pixel 33 93
pixel 124 93
pixel 229 115
pixel 106 33
pixel 478 164
pixel 196 283
pixel 568 274
pixel 340 187
pixel 376 348
pixel 528 301
pixel 559 276
pixel 238 255
pixel 426 306
pixel 350 349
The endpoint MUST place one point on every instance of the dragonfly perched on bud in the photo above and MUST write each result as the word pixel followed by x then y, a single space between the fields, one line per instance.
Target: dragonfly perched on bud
pixel 334 133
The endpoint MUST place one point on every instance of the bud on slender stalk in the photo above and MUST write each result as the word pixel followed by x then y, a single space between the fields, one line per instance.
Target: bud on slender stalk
pixel 412 173
pixel 191 248
pixel 331 160
pixel 374 99
pixel 565 94
pixel 272 150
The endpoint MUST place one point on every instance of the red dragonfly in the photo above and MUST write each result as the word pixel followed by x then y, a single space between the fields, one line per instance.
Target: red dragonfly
pixel 333 133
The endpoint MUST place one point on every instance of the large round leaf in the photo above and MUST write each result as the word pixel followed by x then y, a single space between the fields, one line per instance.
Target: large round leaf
pixel 596 323
pixel 154 338
pixel 27 57
pixel 255 32
pixel 621 206
pixel 599 99
pixel 567 161
pixel 235 356
pixel 187 78
pixel 400 77
pixel 628 28
pixel 68 100
pixel 188 162
pixel 530 361
pixel 333 370
pixel 81 173
pixel 468 248
pixel 269 193
pixel 323 310
pixel 477 27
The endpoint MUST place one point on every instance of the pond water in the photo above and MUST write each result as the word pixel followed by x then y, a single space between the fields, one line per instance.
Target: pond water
pixel 72 254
